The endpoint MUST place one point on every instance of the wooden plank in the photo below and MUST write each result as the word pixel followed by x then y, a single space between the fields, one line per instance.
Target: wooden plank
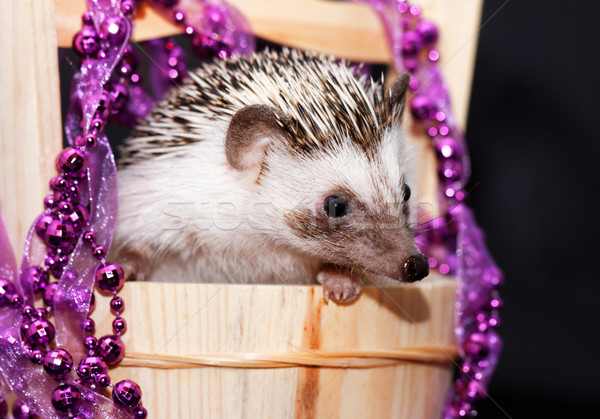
pixel 30 123
pixel 186 320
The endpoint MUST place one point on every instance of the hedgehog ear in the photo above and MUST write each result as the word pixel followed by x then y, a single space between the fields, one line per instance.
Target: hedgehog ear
pixel 250 131
pixel 398 96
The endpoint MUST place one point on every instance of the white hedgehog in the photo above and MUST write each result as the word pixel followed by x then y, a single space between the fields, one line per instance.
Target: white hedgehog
pixel 282 167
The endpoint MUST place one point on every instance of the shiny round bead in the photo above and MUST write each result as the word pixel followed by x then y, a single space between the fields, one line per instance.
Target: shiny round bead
pixel 119 325
pixel 49 293
pixel 58 183
pixel 40 332
pixel 89 140
pixel 65 398
pixel 64 207
pixel 97 125
pixel 49 201
pixel 58 363
pixel 127 394
pixel 469 390
pixel 23 329
pixel 20 410
pixel 476 346
pixel 179 17
pixel 113 29
pixel 117 304
pixel 95 364
pixel 99 252
pixel 79 218
pixel 111 348
pixel 451 170
pixel 60 234
pixel 7 290
pixel 90 342
pixel 28 311
pixel 86 42
pixel 16 301
pixel 71 161
pixel 88 325
pixel 83 371
pixel 41 313
pixel 89 237
pixel 127 7
pixel 421 108
pixel 140 413
pixel 36 356
pixel 410 44
pixel 109 276
pixel 103 380
pixel 448 148
pixel 428 32
pixel 42 223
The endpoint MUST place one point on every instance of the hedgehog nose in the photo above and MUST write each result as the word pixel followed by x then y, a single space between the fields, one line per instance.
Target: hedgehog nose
pixel 416 268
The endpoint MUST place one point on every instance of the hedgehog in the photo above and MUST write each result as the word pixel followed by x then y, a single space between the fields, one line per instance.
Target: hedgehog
pixel 281 167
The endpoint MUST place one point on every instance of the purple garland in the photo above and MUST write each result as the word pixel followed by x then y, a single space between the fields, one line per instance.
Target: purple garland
pixel 81 213
pixel 452 243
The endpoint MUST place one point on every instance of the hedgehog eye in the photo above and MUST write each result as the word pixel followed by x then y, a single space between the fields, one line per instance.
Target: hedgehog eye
pixel 406 192
pixel 335 206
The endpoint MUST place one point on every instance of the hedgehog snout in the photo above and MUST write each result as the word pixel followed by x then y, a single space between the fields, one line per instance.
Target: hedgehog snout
pixel 416 268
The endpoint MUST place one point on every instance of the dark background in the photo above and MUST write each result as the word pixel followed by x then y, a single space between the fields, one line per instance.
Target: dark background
pixel 533 134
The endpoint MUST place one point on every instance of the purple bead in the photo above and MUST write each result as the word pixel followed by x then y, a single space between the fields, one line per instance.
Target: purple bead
pixel 103 380
pixel 83 371
pixel 79 218
pixel 49 201
pixel 140 413
pixel 97 125
pixel 21 411
pixel 60 234
pixel 410 44
pixel 88 325
pixel 448 148
pixel 428 32
pixel 7 290
pixel 451 170
pixel 98 253
pixel 29 312
pixel 49 293
pixel 119 96
pixel 42 224
pixel 113 30
pixel 71 161
pixel 421 108
pixel 65 397
pixel 117 304
pixel 179 17
pixel 86 42
pixel 40 332
pixel 127 7
pixel 64 207
pixel 109 276
pixel 95 364
pixel 58 363
pixel 119 325
pixel 90 342
pixel 111 348
pixel 16 301
pixel 89 237
pixel 127 394
pixel 36 356
pixel 41 313
pixel 476 346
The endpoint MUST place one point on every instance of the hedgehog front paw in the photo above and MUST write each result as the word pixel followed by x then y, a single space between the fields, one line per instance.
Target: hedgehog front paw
pixel 339 285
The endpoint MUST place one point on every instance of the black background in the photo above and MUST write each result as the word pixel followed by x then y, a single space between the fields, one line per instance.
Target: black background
pixel 533 134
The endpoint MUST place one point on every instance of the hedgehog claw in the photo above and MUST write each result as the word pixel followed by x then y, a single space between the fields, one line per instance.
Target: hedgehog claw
pixel 339 286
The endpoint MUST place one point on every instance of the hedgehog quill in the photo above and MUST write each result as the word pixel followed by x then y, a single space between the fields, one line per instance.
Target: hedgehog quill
pixel 282 167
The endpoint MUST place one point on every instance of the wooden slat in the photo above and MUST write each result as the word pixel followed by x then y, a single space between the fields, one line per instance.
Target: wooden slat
pixel 30 123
